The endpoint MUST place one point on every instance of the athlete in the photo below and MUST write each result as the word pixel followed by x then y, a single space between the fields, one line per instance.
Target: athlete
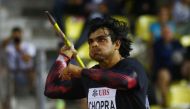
pixel 117 82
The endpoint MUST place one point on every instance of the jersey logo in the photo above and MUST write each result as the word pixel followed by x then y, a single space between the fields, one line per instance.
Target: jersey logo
pixel 95 93
pixel 101 98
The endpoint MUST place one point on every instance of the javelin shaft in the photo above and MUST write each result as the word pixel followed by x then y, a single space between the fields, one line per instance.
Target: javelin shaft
pixel 66 41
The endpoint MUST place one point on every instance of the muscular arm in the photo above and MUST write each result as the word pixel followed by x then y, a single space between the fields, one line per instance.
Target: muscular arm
pixel 57 88
pixel 111 79
pixel 108 78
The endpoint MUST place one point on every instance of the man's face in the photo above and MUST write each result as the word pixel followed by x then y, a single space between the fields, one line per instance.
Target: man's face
pixel 17 37
pixel 167 34
pixel 164 15
pixel 16 34
pixel 100 45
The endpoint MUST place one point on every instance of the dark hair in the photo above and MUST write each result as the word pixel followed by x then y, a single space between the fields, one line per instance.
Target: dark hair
pixel 16 29
pixel 119 30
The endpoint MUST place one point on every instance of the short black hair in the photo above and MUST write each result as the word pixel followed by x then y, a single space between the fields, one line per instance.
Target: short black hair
pixel 16 29
pixel 119 30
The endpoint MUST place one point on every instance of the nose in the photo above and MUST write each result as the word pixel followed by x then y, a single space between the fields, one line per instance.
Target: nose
pixel 94 44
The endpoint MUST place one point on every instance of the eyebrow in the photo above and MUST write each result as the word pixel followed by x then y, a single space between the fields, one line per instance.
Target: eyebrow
pixel 99 37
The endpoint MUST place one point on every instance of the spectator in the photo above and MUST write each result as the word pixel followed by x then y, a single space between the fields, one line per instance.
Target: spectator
pixel 163 18
pixel 168 53
pixel 20 58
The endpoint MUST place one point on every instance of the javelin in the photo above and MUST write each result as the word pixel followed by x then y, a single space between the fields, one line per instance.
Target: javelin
pixel 66 41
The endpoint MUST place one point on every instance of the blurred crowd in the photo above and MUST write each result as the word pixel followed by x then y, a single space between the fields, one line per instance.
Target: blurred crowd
pixel 159 30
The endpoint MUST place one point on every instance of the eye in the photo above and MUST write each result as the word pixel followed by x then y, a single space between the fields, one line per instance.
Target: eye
pixel 90 41
pixel 101 39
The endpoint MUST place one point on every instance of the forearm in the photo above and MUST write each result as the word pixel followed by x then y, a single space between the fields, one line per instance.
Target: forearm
pixel 60 83
pixel 54 86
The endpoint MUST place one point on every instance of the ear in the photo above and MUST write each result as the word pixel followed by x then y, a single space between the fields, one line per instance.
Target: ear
pixel 117 44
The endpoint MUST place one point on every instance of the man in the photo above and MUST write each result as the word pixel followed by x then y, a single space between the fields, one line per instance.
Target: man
pixel 20 60
pixel 117 82
pixel 163 17
pixel 168 53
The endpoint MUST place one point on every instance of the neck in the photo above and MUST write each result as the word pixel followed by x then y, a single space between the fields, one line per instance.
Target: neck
pixel 111 60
